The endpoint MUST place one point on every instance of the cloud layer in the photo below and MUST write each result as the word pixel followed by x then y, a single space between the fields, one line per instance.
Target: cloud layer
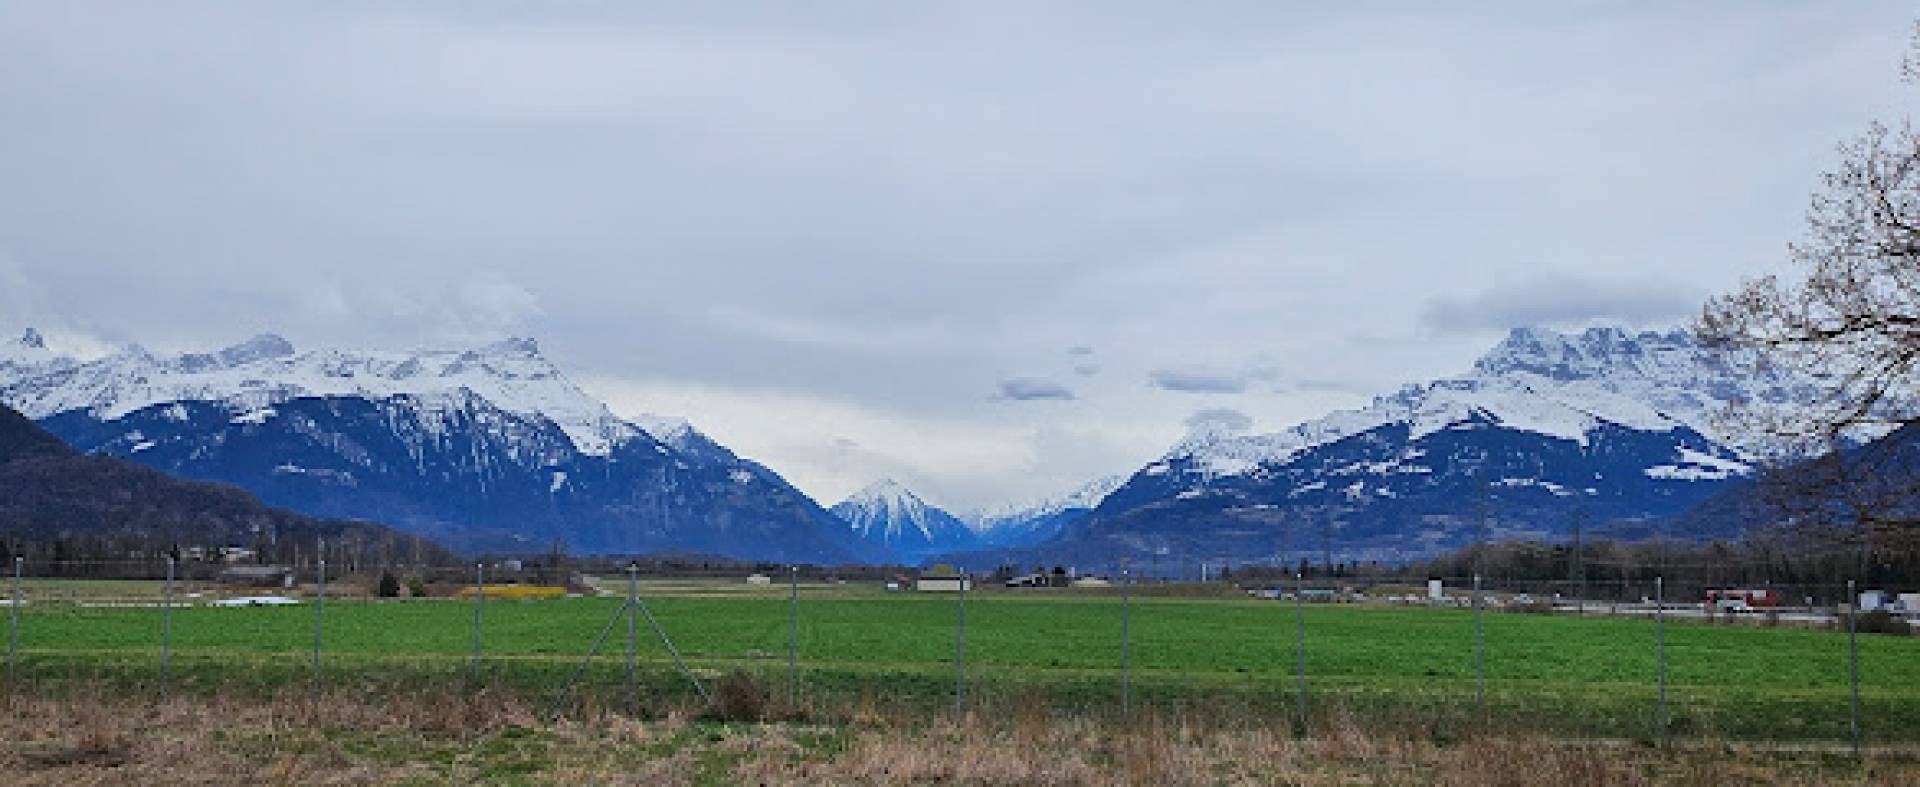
pixel 875 234
pixel 1194 380
pixel 1562 300
pixel 1029 389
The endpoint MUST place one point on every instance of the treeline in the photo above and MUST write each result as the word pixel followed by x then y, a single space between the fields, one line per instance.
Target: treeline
pixel 346 547
pixel 1804 564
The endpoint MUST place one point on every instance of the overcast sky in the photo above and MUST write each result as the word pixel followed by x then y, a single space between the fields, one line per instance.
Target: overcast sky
pixel 991 250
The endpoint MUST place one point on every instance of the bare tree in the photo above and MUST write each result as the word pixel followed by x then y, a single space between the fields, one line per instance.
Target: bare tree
pixel 1849 320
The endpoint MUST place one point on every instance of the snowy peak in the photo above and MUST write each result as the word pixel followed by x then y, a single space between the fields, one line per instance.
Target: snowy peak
pixel 888 513
pixel 259 348
pixel 1598 352
pixel 1535 380
pixel 28 350
pixel 889 496
pixel 678 433
pixel 1086 496
pixel 252 376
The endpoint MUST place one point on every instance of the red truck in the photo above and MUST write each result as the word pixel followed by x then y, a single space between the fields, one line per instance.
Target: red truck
pixel 1738 600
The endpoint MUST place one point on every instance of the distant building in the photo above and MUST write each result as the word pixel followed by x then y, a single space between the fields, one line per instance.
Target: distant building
pixel 759 579
pixel 943 583
pixel 1091 582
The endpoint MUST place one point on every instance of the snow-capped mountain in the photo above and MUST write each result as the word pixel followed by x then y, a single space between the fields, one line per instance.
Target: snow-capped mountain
pixel 254 375
pixel 1025 525
pixel 484 448
pixel 888 514
pixel 1617 428
pixel 1535 380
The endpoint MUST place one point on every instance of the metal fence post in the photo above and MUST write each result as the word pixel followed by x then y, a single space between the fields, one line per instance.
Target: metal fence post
pixel 13 627
pixel 166 627
pixel 319 620
pixel 625 610
pixel 960 652
pixel 1660 648
pixel 1300 646
pixel 1853 661
pixel 479 604
pixel 633 642
pixel 793 638
pixel 1479 652
pixel 1126 641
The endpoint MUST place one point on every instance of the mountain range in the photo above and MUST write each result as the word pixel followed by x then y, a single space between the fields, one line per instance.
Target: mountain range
pixel 492 448
pixel 1613 431
pixel 61 504
pixel 489 448
pixel 1044 520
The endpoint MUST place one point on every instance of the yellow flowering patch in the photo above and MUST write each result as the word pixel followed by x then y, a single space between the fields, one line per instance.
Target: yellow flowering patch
pixel 517 591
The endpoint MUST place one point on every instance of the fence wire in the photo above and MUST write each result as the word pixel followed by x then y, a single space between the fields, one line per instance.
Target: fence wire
pixel 1587 657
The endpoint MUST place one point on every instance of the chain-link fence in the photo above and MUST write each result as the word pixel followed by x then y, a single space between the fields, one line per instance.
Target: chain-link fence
pixel 1448 656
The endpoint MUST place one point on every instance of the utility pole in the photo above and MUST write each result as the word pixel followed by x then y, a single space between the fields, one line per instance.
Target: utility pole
pixel 793 638
pixel 1126 640
pixel 1579 566
pixel 1326 545
pixel 1480 530
pixel 633 640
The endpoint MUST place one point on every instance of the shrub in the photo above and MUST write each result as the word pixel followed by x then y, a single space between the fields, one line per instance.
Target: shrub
pixel 389 586
pixel 741 697
pixel 1880 621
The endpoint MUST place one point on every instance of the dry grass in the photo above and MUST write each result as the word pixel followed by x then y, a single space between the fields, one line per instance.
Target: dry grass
pixel 338 739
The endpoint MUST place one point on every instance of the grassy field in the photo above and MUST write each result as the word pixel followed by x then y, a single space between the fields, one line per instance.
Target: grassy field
pixel 865 651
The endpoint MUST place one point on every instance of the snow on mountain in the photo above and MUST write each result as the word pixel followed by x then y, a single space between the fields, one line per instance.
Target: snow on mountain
pixel 889 514
pixel 1017 525
pixel 29 351
pixel 1616 427
pixel 251 377
pixel 1536 380
pixel 678 433
pixel 488 448
pixel 1086 495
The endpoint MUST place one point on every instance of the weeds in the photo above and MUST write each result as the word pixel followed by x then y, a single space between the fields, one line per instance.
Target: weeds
pixel 297 737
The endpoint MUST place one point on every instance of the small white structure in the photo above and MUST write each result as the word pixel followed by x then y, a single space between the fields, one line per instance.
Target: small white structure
pixel 1872 600
pixel 1091 582
pixel 255 601
pixel 759 579
pixel 1909 602
pixel 1436 590
pixel 943 583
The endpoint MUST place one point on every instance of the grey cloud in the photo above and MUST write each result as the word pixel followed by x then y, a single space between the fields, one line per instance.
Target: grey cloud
pixel 893 212
pixel 1220 419
pixel 1023 389
pixel 1326 385
pixel 1198 380
pixel 1554 300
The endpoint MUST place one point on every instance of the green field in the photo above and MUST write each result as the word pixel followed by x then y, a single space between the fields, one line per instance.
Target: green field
pixel 1585 676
